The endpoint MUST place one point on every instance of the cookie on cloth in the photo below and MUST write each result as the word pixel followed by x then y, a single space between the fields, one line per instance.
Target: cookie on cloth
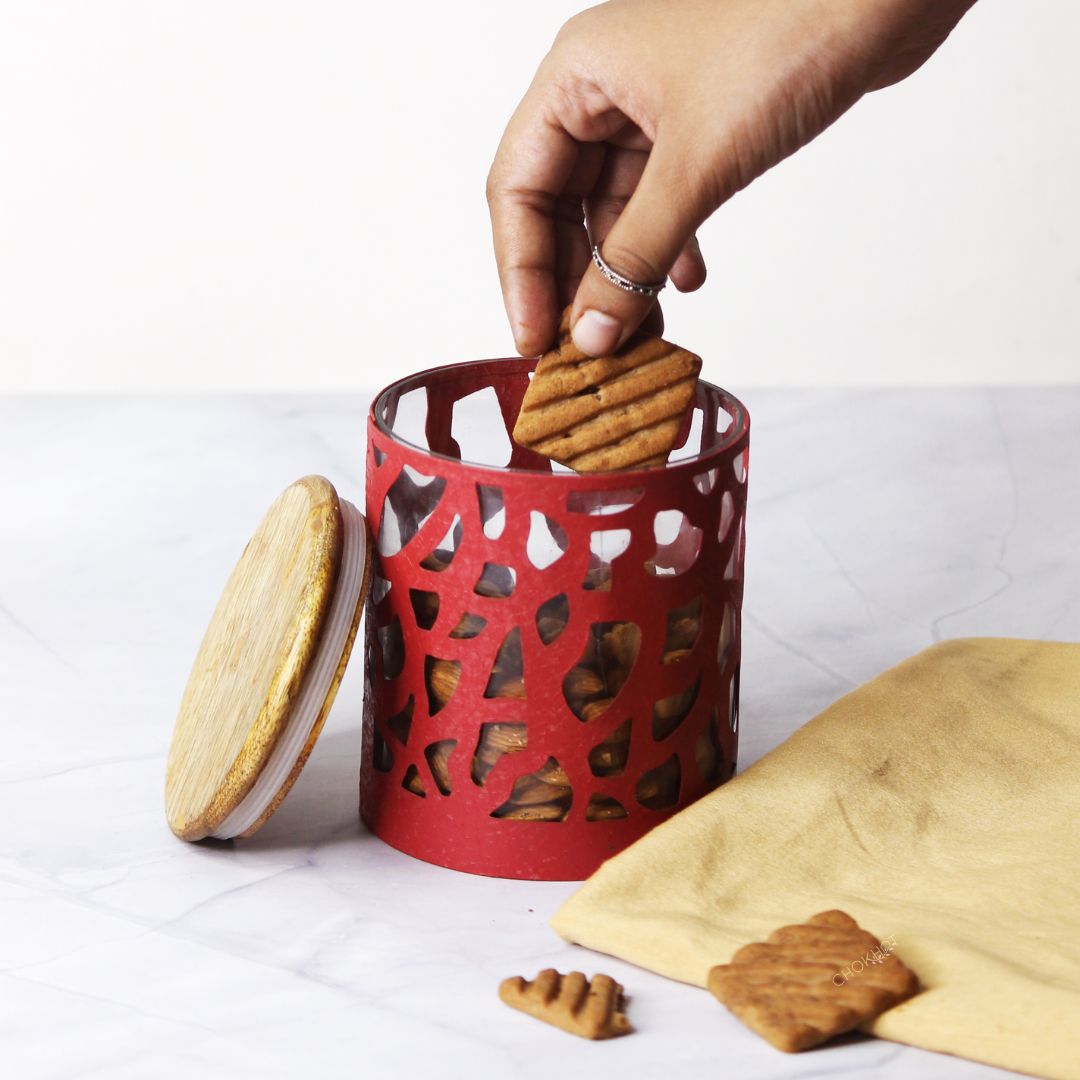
pixel 593 1010
pixel 602 413
pixel 812 981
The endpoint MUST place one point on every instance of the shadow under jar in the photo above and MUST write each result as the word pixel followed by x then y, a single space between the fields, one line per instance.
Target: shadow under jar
pixel 552 657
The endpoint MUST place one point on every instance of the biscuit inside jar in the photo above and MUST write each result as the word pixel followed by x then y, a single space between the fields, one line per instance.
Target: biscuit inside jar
pixel 442 678
pixel 495 741
pixel 468 626
pixel 683 628
pixel 708 753
pixel 604 808
pixel 438 759
pixel 552 617
pixel 425 607
pixel 609 757
pixel 670 712
pixel 593 683
pixel 658 788
pixel 507 678
pixel 544 795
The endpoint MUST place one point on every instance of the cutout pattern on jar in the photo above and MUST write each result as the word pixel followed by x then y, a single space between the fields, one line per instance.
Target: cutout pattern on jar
pixel 411 782
pixel 425 607
pixel 739 466
pixel 508 673
pixel 725 645
pixel 547 542
pixel 473 431
pixel 443 554
pixel 727 515
pixel 706 481
pixel 492 510
pixel 604 808
pixel 468 626
pixel 544 795
pixel 551 617
pixel 658 788
pixel 709 752
pixel 384 758
pixel 683 630
pixel 595 681
pixel 379 588
pixel 400 723
pixel 605 546
pixel 496 581
pixel 496 740
pixel 733 570
pixel 691 445
pixel 670 712
pixel 438 759
pixel 441 678
pixel 392 646
pixel 409 504
pixel 608 758
pixel 733 703
pixel 678 544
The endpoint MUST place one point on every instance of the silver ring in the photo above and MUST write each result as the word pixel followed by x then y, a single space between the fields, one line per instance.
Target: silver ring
pixel 638 288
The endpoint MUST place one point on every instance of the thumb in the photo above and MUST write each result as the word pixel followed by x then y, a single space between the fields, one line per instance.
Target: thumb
pixel 642 245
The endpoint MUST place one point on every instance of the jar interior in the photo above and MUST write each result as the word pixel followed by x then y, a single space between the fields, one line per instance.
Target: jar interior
pixel 466 412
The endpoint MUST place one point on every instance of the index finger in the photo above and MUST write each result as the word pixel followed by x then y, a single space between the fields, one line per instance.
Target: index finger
pixel 532 166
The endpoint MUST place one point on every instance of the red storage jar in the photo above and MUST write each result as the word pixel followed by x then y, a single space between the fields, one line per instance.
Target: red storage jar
pixel 552 658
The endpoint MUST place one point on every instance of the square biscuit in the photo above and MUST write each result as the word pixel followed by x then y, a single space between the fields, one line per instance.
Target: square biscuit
pixel 811 981
pixel 602 413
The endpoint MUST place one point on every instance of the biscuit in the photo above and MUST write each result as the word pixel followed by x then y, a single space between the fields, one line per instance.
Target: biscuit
pixel 609 757
pixel 442 677
pixel 438 759
pixel 593 1010
pixel 604 808
pixel 599 414
pixel 544 795
pixel 495 741
pixel 811 981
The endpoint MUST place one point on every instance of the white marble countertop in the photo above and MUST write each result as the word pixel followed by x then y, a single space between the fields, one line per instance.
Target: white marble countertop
pixel 879 522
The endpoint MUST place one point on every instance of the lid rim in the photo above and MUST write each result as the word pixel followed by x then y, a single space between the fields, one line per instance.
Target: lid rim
pixel 267 631
pixel 318 688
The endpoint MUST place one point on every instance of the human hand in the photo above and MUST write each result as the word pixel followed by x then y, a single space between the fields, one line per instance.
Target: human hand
pixel 646 116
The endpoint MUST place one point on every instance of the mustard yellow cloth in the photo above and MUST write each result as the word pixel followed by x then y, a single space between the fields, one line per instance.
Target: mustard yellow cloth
pixel 939 805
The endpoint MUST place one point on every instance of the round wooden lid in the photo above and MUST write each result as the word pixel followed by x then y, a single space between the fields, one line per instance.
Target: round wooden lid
pixel 269 665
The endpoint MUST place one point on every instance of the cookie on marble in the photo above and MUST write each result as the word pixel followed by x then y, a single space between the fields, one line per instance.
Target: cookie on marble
pixel 593 1010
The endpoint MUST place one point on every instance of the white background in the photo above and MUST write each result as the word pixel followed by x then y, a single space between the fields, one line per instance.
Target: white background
pixel 266 195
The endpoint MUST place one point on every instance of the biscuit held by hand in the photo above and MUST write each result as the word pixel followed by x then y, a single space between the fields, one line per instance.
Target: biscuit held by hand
pixel 598 414
pixel 812 981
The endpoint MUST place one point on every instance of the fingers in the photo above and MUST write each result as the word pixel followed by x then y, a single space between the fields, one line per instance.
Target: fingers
pixel 651 238
pixel 653 323
pixel 572 247
pixel 688 273
pixel 638 205
pixel 603 207
pixel 532 167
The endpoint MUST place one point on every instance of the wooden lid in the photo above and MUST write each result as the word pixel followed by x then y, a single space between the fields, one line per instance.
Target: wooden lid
pixel 269 665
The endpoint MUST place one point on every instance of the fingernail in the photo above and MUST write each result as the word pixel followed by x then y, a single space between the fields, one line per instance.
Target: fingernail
pixel 524 337
pixel 596 332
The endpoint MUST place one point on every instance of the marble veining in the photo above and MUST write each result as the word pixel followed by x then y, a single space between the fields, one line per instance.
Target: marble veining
pixel 879 521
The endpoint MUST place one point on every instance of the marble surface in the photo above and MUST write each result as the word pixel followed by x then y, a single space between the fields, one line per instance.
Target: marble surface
pixel 879 522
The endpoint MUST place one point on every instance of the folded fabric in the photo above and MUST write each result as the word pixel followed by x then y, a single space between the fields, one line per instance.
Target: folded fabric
pixel 939 805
